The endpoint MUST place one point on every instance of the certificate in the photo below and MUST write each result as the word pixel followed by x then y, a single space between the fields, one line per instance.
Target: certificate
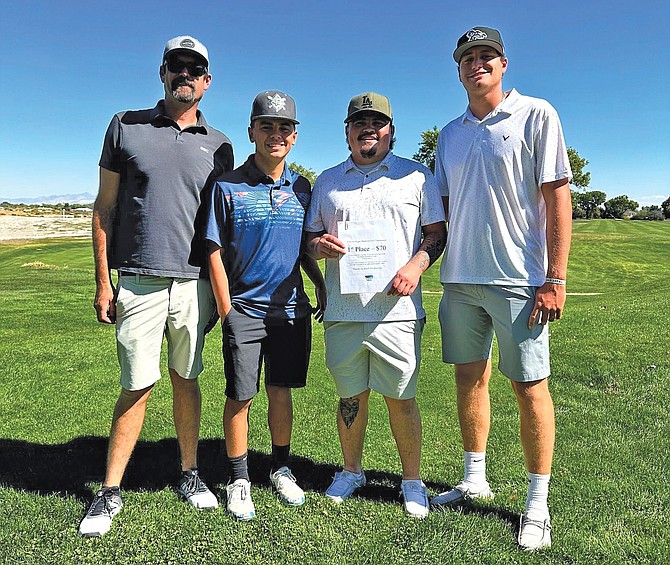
pixel 369 263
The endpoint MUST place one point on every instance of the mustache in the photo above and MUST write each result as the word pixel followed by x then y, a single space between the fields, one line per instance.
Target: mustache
pixel 181 81
pixel 367 134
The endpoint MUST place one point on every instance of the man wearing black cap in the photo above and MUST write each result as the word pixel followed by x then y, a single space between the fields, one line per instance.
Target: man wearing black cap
pixel 153 168
pixel 375 317
pixel 254 232
pixel 504 174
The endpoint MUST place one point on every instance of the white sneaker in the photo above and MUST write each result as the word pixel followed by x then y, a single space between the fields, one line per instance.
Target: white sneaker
pixel 195 491
pixel 287 488
pixel 534 534
pixel 344 484
pixel 238 500
pixel 415 498
pixel 106 504
pixel 462 492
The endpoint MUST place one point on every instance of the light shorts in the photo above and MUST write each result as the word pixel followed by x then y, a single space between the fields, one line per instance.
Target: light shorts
pixel 471 313
pixel 382 356
pixel 148 308
pixel 248 343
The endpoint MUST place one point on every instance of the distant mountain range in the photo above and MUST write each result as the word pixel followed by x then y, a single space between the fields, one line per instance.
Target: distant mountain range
pixel 82 198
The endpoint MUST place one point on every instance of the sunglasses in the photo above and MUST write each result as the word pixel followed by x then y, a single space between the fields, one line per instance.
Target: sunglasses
pixel 194 69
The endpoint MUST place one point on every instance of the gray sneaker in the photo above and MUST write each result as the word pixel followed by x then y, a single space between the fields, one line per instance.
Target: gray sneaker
pixel 106 504
pixel 344 484
pixel 195 491
pixel 286 486
pixel 238 500
pixel 534 534
pixel 462 492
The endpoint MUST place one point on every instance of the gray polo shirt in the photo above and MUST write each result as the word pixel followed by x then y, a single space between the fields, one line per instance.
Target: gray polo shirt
pixel 163 172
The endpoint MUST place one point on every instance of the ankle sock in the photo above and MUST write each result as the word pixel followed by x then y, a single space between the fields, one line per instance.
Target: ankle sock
pixel 538 493
pixel 475 468
pixel 238 468
pixel 280 456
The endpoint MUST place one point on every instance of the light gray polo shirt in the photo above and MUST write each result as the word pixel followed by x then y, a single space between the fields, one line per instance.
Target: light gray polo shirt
pixel 399 190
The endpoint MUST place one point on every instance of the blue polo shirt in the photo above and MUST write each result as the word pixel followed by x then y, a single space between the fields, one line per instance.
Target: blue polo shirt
pixel 258 222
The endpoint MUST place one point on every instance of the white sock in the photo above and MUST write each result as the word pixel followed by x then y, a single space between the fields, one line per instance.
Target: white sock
pixel 475 468
pixel 538 492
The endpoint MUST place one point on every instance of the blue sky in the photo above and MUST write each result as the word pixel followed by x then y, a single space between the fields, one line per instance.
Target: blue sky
pixel 68 66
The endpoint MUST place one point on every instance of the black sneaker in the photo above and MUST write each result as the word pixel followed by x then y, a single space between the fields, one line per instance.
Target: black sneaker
pixel 195 491
pixel 105 506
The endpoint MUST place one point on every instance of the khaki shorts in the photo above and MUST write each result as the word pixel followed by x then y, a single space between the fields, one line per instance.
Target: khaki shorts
pixel 382 356
pixel 471 313
pixel 148 308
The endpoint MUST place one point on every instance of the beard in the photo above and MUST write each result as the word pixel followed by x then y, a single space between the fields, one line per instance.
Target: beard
pixel 183 91
pixel 369 153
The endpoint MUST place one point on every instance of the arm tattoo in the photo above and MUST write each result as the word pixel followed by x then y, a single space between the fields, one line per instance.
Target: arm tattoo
pixel 433 245
pixel 349 410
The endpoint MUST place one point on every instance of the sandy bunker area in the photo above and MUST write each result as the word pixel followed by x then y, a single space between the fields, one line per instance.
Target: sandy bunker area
pixel 17 228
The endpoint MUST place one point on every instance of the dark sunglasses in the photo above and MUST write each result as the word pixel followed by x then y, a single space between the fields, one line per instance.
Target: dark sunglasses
pixel 194 69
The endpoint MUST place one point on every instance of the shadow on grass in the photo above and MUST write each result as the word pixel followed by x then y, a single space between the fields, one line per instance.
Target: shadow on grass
pixel 77 467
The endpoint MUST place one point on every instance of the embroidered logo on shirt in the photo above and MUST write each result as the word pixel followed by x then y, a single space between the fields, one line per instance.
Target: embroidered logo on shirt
pixel 475 34
pixel 277 103
pixel 505 137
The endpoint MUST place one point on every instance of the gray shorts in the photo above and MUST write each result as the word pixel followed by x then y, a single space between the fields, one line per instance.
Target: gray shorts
pixel 470 314
pixel 283 346
pixel 382 356
pixel 149 308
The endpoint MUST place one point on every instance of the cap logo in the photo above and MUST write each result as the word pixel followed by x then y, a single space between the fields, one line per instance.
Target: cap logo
pixel 187 43
pixel 277 103
pixel 475 34
pixel 366 102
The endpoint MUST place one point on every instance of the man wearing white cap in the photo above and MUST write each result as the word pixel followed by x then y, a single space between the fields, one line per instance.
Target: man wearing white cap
pixel 504 174
pixel 154 165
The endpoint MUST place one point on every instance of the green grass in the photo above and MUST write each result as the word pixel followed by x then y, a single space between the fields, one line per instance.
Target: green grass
pixel 610 493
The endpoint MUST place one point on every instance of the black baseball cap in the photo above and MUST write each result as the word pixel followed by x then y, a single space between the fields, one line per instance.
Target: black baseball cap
pixel 479 36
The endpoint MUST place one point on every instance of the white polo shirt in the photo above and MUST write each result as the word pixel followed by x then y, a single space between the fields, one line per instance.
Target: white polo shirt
pixel 399 190
pixel 492 170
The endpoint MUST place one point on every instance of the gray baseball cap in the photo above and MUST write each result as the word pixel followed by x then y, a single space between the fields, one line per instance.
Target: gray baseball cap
pixel 186 44
pixel 479 36
pixel 369 102
pixel 273 104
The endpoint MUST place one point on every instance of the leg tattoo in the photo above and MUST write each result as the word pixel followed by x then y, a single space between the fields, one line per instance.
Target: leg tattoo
pixel 349 410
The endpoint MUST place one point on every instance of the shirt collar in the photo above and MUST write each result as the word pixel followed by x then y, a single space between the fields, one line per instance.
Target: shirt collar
pixel 505 107
pixel 385 163
pixel 255 176
pixel 158 116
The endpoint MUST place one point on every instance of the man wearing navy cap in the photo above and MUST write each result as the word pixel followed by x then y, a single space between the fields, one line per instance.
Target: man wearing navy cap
pixel 154 165
pixel 254 232
pixel 504 174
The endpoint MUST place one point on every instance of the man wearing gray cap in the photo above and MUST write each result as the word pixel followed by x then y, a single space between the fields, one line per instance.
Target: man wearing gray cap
pixel 504 174
pixel 377 220
pixel 154 165
pixel 254 231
